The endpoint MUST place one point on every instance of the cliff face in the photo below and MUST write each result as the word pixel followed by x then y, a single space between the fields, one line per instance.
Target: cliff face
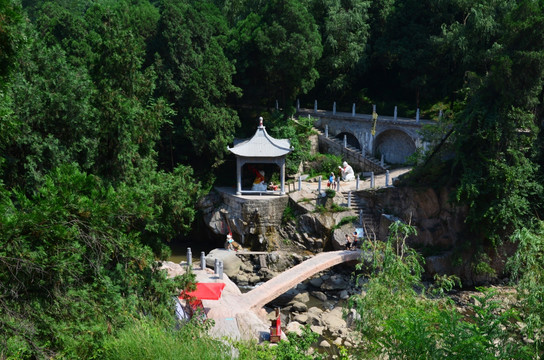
pixel 442 235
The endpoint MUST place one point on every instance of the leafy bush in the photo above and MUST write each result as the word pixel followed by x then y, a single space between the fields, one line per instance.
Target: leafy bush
pixel 324 164
pixel 397 320
pixel 298 132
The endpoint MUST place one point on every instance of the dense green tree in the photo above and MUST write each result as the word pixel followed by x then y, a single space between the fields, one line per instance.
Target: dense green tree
pixel 466 42
pixel 401 49
pixel 57 125
pixel 195 77
pixel 9 17
pixel 277 49
pixel 497 129
pixel 72 266
pixel 399 317
pixel 344 33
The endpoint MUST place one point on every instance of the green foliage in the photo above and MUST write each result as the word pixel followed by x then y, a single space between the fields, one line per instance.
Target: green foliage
pixel 298 132
pixel 324 164
pixel 344 221
pixel 496 130
pixel 277 46
pixel 344 32
pixel 10 15
pixel 442 284
pixel 288 214
pixel 334 208
pixel 330 193
pixel 295 349
pixel 195 76
pixel 151 339
pixel 73 266
pixel 527 270
pixel 398 320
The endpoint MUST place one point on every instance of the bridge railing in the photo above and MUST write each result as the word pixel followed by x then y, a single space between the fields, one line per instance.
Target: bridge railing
pixel 354 113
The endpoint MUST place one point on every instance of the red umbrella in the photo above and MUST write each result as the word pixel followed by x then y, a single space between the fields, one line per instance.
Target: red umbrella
pixel 205 291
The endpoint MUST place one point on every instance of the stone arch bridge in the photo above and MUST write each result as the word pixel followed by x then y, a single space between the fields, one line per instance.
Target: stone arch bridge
pixel 395 138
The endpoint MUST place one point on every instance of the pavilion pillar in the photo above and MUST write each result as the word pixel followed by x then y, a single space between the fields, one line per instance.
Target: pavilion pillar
pixel 238 176
pixel 282 177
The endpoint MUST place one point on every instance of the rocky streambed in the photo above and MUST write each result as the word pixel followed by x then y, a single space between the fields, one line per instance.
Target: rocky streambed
pixel 318 302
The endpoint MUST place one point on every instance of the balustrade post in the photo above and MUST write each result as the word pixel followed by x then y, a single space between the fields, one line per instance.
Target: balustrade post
pixel 315 106
pixel 319 186
pixel 298 105
pixel 386 177
pixel 334 108
pixel 220 272
pixel 327 131
pixel 202 260
pixel 372 180
pixel 417 115
pixel 395 114
pixel 349 199
pixel 345 141
pixel 357 183
pixel 216 266
pixel 189 258
pixel 299 183
pixel 361 217
pixel 382 161
pixel 353 110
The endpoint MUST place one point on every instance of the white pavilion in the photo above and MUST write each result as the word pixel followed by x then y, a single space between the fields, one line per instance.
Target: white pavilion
pixel 260 149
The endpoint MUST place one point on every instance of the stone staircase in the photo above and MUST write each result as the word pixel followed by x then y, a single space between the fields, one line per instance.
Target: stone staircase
pixel 370 221
pixel 354 152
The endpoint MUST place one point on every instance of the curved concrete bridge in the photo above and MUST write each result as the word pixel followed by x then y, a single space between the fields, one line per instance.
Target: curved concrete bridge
pixel 261 295
pixel 241 316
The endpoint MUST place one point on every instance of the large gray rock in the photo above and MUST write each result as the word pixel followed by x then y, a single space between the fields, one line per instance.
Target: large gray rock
pixel 339 236
pixel 333 320
pixel 335 282
pixel 319 295
pixel 294 327
pixel 231 262
pixel 299 307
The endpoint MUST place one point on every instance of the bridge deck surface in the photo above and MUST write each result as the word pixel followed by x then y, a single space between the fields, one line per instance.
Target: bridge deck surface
pixel 276 286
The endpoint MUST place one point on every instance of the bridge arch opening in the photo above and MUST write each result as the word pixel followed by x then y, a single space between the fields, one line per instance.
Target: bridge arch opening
pixel 395 146
pixel 350 139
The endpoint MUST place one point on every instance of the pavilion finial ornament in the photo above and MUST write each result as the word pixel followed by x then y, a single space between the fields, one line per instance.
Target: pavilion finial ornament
pixel 261 121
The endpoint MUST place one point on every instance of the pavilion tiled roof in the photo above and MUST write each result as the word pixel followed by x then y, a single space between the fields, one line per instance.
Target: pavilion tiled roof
pixel 261 145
